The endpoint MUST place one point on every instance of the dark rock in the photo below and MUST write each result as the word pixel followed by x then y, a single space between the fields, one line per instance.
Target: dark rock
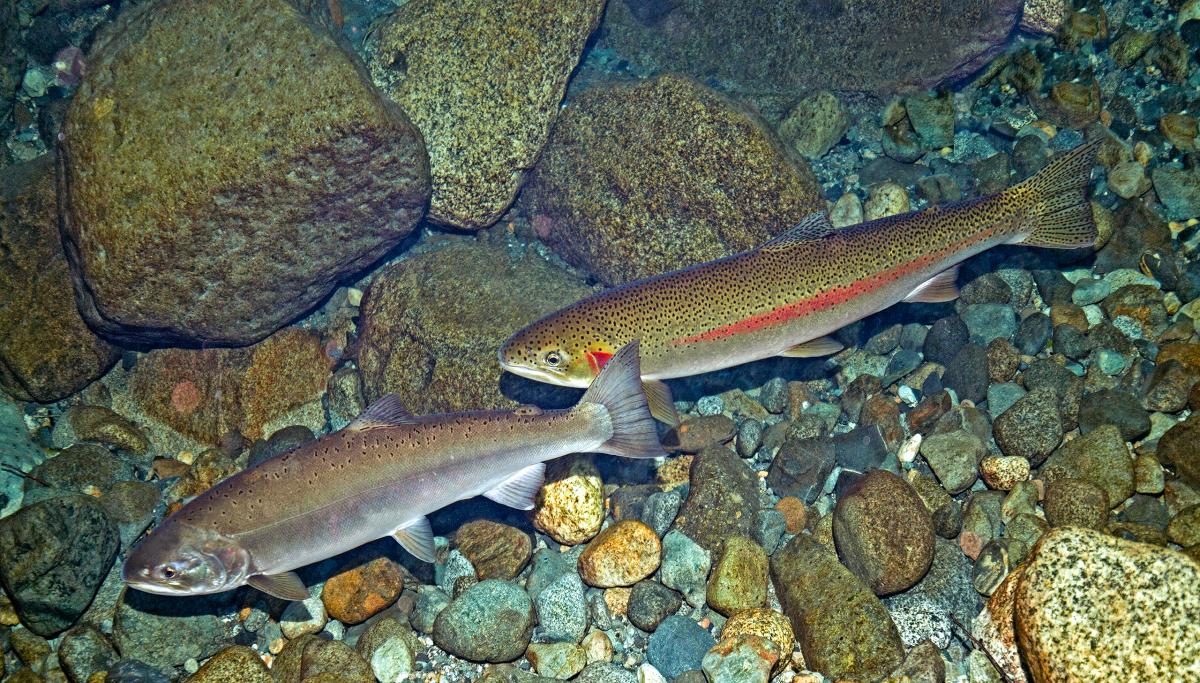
pixel 1137 229
pixel 722 489
pixel 53 557
pixel 1070 342
pixel 967 374
pixel 1033 333
pixel 133 671
pixel 801 467
pixel 678 645
pixel 166 631
pixel 860 449
pixel 843 629
pixel 660 510
pixel 1053 286
pixel 47 352
pixel 1032 428
pixel 883 532
pixel 989 321
pixel 1168 388
pixel 1180 446
pixel 1115 407
pixel 945 339
pixel 924 417
pixel 774 396
pixel 697 433
pixel 317 178
pixel 749 437
pixel 1099 457
pixel 1066 385
pixel 932 118
pixel 650 602
pixel 79 466
pixel 954 457
pixel 1141 303
pixel 1003 361
pixel 83 651
pixel 280 441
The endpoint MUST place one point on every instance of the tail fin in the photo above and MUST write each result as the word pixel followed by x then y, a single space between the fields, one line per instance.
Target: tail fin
pixel 618 388
pixel 1059 215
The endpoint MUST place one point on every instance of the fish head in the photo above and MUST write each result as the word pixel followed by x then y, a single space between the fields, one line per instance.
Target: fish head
pixel 552 351
pixel 181 559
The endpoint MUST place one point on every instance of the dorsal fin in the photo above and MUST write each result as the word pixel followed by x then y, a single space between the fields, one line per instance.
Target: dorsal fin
pixel 386 412
pixel 814 226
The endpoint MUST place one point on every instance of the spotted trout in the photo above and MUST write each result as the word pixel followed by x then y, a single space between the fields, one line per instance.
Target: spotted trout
pixel 786 296
pixel 377 477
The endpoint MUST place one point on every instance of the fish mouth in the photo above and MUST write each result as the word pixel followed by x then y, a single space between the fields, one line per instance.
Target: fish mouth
pixel 532 373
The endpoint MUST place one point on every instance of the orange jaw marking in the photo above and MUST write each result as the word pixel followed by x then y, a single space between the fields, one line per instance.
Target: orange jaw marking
pixel 597 359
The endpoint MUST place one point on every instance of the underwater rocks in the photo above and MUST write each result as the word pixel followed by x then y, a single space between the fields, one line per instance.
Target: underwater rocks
pixel 431 327
pixel 53 557
pixel 883 532
pixel 621 555
pixel 360 592
pixel 1097 608
pixel 220 211
pixel 785 49
pixel 234 663
pixel 159 631
pixel 206 394
pixel 843 629
pixel 47 352
pixel 491 621
pixel 496 551
pixel 482 80
pixel 639 180
pixel 721 499
pixel 18 453
pixel 570 505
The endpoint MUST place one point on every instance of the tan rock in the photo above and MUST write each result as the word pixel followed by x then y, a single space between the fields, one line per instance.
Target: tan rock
pixel 483 80
pixel 570 505
pixel 496 551
pixel 621 555
pixel 1090 607
pixel 234 664
pixel 357 594
pixel 765 623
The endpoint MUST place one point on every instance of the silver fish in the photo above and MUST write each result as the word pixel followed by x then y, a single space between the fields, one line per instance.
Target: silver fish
pixel 377 477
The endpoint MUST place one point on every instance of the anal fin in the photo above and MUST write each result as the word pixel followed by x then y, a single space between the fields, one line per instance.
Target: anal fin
pixel 416 536
pixel 520 489
pixel 938 289
pixel 285 586
pixel 821 346
pixel 662 405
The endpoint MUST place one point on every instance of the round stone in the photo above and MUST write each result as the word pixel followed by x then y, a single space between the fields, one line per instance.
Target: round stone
pixel 883 532
pixel 621 555
pixel 491 621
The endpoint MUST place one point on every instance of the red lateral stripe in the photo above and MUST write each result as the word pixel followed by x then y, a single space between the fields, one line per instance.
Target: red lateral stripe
pixel 827 299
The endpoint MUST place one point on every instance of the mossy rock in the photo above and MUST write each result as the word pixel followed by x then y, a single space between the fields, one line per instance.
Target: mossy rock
pixel 47 352
pixel 638 180
pixel 223 165
pixel 431 323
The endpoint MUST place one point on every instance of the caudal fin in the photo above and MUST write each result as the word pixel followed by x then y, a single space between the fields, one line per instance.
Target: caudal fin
pixel 618 388
pixel 1059 215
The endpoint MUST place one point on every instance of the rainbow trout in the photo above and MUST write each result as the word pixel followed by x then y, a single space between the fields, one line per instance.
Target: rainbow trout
pixel 786 296
pixel 377 477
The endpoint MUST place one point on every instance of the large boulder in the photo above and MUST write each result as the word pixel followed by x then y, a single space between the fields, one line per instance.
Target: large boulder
pixel 1091 607
pixel 431 323
pixel 215 185
pixel 47 352
pixel 483 80
pixel 53 557
pixel 766 48
pixel 637 180
pixel 202 395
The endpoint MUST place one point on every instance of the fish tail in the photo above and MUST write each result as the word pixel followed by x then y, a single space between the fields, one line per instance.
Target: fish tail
pixel 618 388
pixel 1058 214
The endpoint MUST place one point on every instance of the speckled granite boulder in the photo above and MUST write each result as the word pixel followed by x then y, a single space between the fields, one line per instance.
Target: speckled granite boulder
pixel 786 48
pixel 47 352
pixel 220 211
pixel 234 664
pixel 638 180
pixel 204 394
pixel 1097 608
pixel 53 557
pixel 483 80
pixel 158 631
pixel 430 327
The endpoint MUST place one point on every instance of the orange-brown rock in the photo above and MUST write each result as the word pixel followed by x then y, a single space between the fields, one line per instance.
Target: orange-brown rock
pixel 359 593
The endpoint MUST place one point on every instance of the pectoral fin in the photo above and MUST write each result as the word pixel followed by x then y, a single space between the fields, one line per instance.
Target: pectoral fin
pixel 821 346
pixel 416 536
pixel 662 406
pixel 285 586
pixel 938 289
pixel 519 490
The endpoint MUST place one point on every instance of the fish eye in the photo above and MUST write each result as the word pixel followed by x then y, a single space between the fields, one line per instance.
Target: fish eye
pixel 553 359
pixel 168 572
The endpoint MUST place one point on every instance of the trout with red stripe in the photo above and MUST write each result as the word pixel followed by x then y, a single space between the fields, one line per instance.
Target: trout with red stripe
pixel 785 296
